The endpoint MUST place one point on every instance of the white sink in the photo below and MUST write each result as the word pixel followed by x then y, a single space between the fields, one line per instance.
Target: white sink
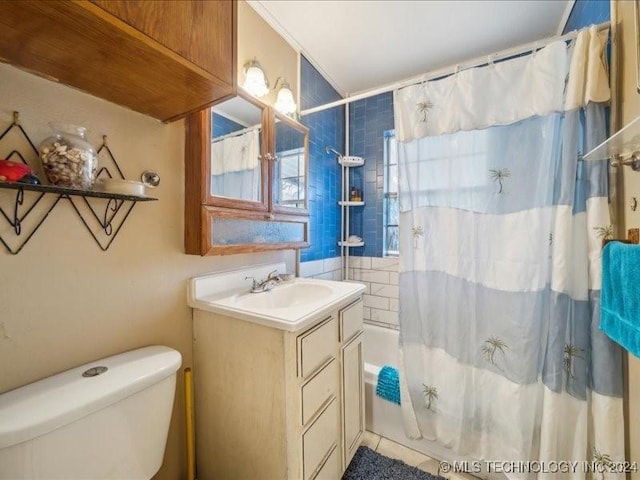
pixel 290 305
pixel 286 295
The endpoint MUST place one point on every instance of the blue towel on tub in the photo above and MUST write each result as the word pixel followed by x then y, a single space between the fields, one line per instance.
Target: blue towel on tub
pixel 388 386
pixel 620 297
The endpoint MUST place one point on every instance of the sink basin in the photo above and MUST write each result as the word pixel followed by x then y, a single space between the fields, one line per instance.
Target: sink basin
pixel 284 296
pixel 289 306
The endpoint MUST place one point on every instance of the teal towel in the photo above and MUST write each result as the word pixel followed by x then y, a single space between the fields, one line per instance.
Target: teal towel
pixel 389 384
pixel 620 297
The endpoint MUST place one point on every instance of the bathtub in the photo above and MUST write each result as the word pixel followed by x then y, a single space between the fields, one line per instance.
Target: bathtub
pixel 384 418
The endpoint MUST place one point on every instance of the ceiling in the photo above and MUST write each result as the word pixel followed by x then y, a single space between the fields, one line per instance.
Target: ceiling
pixel 360 45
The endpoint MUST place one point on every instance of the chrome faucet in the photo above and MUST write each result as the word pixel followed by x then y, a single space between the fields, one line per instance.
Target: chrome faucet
pixel 265 285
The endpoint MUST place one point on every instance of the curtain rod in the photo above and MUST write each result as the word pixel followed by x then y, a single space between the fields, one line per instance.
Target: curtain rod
pixel 443 72
pixel 236 133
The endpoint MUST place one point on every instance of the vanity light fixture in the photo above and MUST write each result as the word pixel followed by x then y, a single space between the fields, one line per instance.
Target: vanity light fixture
pixel 285 102
pixel 255 81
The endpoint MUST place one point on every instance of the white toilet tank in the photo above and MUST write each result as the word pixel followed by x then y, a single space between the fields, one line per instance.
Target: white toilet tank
pixel 109 425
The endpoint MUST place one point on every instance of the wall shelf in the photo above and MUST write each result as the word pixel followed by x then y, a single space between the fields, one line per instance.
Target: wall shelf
pixel 65 191
pixel 351 244
pixel 347 162
pixel 624 143
pixel 103 215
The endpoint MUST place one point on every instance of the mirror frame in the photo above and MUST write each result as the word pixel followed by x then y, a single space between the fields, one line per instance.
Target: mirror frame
pixel 305 131
pixel 210 199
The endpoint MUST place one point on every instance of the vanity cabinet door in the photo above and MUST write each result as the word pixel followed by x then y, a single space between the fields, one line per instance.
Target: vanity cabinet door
pixel 352 398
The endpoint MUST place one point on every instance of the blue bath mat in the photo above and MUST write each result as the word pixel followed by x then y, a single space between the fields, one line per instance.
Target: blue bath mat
pixel 389 384
pixel 369 465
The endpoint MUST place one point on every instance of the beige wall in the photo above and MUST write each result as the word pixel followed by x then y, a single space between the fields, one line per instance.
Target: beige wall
pixel 63 301
pixel 629 110
pixel 257 39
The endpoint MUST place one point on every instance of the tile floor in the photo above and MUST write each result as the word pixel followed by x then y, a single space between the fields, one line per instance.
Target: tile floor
pixel 391 449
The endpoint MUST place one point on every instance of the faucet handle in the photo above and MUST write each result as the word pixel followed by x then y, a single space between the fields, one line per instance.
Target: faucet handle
pixel 274 276
pixel 254 284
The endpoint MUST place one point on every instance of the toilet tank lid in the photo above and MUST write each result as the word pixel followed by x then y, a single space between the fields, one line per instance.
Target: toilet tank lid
pixel 41 407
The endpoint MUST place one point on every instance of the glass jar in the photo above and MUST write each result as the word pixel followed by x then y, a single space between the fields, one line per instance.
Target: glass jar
pixel 68 160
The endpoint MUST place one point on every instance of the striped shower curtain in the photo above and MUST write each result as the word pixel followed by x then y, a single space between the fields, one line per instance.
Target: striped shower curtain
pixel 501 229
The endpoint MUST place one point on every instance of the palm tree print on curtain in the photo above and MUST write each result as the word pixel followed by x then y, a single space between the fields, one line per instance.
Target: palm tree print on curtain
pixel 430 394
pixel 499 175
pixel 491 346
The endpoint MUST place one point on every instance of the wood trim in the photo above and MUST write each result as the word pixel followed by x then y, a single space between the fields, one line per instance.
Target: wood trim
pixel 246 248
pixel 192 184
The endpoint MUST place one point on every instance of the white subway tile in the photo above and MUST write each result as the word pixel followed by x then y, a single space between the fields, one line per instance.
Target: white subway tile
pixel 394 278
pixel 388 263
pixel 331 264
pixel 337 275
pixel 385 316
pixel 324 276
pixel 375 302
pixel 366 284
pixel 360 262
pixel 382 324
pixel 309 269
pixel 394 304
pixel 375 276
pixel 366 312
pixel 384 290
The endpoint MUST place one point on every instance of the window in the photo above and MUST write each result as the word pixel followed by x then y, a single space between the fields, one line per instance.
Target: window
pixel 390 243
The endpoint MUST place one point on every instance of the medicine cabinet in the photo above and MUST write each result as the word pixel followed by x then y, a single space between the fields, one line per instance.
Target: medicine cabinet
pixel 245 179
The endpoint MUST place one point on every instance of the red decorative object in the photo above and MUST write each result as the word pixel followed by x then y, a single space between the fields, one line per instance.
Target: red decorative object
pixel 13 171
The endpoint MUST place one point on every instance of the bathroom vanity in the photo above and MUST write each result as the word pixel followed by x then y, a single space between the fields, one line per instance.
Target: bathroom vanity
pixel 279 387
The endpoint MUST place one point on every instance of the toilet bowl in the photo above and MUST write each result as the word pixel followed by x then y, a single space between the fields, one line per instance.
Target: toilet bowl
pixel 107 419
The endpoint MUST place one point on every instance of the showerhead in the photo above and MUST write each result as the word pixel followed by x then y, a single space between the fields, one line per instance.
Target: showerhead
pixel 332 150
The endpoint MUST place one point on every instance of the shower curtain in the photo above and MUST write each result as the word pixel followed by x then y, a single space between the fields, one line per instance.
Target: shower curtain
pixel 235 166
pixel 501 229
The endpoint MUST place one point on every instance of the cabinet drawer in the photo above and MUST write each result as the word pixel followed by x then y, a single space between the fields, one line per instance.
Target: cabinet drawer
pixel 350 321
pixel 331 468
pixel 319 439
pixel 316 347
pixel 318 390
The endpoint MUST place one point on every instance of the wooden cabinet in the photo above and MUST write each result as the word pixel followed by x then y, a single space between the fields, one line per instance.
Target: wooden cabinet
pixel 160 58
pixel 276 404
pixel 245 179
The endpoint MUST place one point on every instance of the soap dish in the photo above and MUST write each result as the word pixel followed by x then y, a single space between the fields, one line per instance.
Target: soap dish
pixel 118 185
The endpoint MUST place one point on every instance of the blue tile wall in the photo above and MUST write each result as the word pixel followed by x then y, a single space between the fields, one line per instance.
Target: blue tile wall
pixel 588 12
pixel 222 126
pixel 368 120
pixel 326 128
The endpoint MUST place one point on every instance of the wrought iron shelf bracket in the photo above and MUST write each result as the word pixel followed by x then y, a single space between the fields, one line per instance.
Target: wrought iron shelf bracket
pixel 103 223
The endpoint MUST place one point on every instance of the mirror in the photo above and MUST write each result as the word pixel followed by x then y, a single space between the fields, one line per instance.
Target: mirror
pixel 290 167
pixel 236 146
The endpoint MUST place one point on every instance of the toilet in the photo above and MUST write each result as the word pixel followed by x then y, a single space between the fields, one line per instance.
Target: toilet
pixel 108 419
